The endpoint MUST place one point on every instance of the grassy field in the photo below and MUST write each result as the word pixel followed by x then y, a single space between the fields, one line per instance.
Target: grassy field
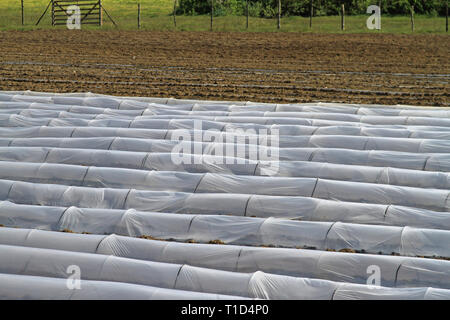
pixel 156 16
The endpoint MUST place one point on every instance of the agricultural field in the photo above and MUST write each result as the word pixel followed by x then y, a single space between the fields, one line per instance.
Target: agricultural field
pixel 345 202
pixel 181 162
pixel 264 67
pixel 156 15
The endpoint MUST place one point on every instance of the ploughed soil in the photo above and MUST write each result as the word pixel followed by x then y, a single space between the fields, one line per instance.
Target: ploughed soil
pixel 266 67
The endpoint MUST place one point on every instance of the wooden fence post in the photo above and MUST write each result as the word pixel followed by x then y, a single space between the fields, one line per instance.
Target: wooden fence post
pixel 53 14
pixel 212 13
pixel 139 15
pixel 412 18
pixel 22 12
pixel 174 13
pixel 279 15
pixel 311 12
pixel 101 13
pixel 246 26
pixel 343 17
pixel 446 16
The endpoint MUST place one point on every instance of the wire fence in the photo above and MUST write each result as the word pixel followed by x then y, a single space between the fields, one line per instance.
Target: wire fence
pixel 214 15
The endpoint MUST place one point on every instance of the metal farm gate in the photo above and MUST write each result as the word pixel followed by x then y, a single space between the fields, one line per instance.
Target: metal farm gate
pixel 91 11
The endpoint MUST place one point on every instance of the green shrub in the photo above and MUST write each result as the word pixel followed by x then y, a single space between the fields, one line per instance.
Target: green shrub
pixel 269 8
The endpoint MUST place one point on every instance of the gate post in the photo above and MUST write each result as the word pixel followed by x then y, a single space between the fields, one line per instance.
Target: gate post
pixel 100 22
pixel 53 13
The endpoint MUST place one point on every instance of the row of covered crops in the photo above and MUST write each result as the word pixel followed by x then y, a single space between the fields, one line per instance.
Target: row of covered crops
pixel 348 194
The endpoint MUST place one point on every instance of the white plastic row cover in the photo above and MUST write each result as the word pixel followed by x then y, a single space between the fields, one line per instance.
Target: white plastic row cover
pixel 289 165
pixel 162 121
pixel 175 278
pixel 217 115
pixel 291 179
pixel 209 143
pixel 266 147
pixel 96 99
pixel 348 192
pixel 285 132
pixel 310 118
pixel 19 287
pixel 232 230
pixel 294 207
pixel 230 203
pixel 279 207
pixel 193 105
pixel 350 128
pixel 136 103
pixel 396 271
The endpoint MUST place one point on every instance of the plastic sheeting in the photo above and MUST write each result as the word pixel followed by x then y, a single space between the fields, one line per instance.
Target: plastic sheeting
pixel 100 100
pixel 286 132
pixel 202 203
pixel 219 183
pixel 162 160
pixel 133 106
pixel 292 144
pixel 47 288
pixel 334 266
pixel 299 179
pixel 210 163
pixel 185 280
pixel 324 210
pixel 233 230
pixel 371 181
pixel 251 114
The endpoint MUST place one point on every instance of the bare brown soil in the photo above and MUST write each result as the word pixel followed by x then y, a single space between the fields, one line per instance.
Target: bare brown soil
pixel 267 67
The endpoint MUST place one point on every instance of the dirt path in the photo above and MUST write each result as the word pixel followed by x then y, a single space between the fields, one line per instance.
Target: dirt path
pixel 269 67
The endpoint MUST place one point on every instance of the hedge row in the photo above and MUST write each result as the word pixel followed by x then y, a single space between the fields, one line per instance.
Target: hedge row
pixel 268 8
